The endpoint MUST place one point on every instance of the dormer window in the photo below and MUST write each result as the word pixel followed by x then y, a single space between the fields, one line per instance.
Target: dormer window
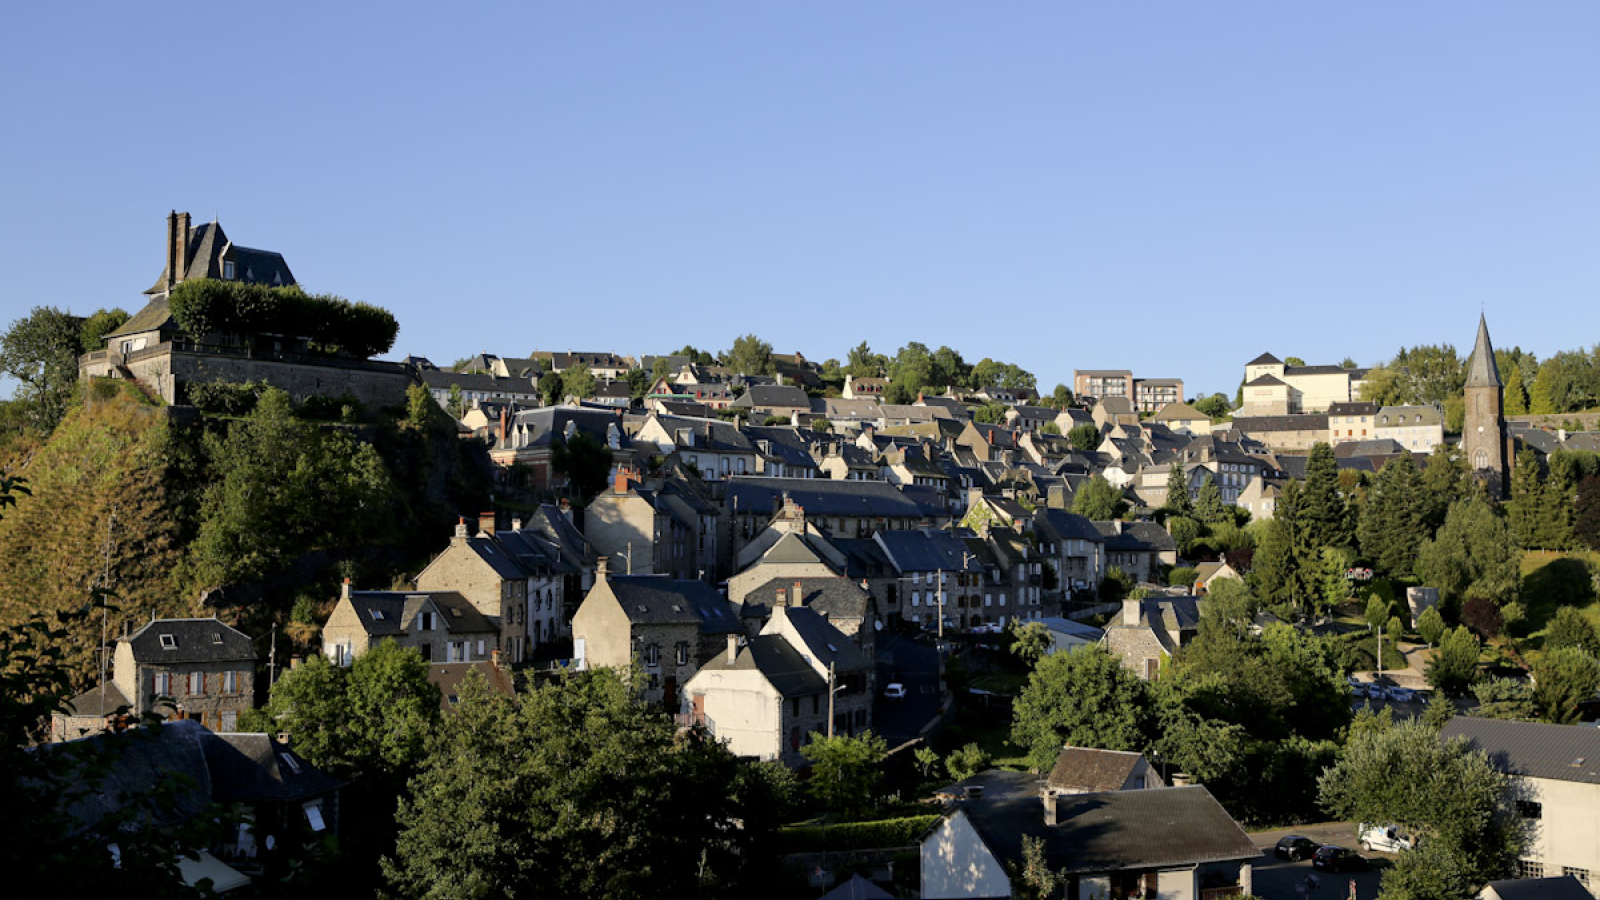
pixel 216 637
pixel 168 642
pixel 227 270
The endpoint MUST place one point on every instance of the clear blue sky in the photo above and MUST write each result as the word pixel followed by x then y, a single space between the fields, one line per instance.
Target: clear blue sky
pixel 1172 188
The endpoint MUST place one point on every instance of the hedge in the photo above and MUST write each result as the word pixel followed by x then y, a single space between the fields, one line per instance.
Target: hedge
pixel 332 324
pixel 878 835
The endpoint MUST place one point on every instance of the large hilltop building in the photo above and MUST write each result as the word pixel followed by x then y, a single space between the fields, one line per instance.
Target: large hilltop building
pixel 1275 388
pixel 153 349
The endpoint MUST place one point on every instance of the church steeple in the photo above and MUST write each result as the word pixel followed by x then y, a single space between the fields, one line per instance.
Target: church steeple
pixel 1483 437
pixel 1481 368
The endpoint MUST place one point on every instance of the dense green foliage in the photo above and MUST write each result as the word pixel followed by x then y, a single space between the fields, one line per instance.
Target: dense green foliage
pixel 575 790
pixel 1084 438
pixel 1473 555
pixel 1087 698
pixel 205 306
pixel 40 351
pixel 1390 526
pixel 845 770
pixel 1097 500
pixel 1454 668
pixel 749 355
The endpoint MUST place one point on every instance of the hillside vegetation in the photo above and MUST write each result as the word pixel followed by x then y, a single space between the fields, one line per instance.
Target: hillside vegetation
pixel 239 516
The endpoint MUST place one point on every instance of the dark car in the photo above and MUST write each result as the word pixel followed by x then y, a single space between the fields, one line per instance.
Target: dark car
pixel 1337 859
pixel 1295 847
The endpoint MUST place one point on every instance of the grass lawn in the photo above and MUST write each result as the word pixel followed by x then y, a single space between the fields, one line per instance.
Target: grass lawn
pixel 989 729
pixel 1551 580
pixel 1008 683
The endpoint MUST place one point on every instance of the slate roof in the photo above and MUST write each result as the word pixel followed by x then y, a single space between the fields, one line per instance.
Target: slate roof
pixel 774 396
pixel 1061 525
pixel 94 702
pixel 1117 406
pixel 823 642
pixel 857 888
pixel 193 640
pixel 1323 370
pixel 1266 381
pixel 490 384
pixel 391 613
pixel 1265 359
pixel 1481 368
pixel 1353 408
pixel 1400 416
pixel 251 768
pixel 1265 424
pixel 1106 831
pixel 1175 411
pixel 779 662
pixel 864 558
pixel 837 598
pixel 1534 749
pixel 858 408
pixel 1371 447
pixel 209 246
pixel 822 497
pixel 1135 536
pixel 1088 769
pixel 447 677
pixel 1072 629
pixel 658 600
pixel 1564 887
pixel 155 315
pixel 926 551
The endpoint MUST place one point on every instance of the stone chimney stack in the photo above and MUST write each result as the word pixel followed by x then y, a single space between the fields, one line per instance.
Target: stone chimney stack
pixel 799 594
pixel 733 648
pixel 177 247
pixel 782 599
pixel 1049 798
pixel 516 524
pixel 461 529
pixel 344 590
pixel 486 522
pixel 1130 611
pixel 601 565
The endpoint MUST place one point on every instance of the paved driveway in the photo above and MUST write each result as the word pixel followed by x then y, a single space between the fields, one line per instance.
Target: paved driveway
pixel 1279 879
pixel 915 665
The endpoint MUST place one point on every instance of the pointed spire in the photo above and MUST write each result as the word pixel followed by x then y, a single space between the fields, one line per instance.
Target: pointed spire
pixel 1481 368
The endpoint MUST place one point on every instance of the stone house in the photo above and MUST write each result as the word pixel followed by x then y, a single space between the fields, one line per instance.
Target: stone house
pixel 714 449
pixel 938 574
pixel 1274 388
pixel 767 697
pixel 442 625
pixel 1296 433
pixel 1416 428
pixel 176 668
pixel 671 627
pixel 286 809
pixel 1151 630
pixel 1073 546
pixel 781 400
pixel 1182 417
pixel 1139 549
pixel 1354 420
pixel 1164 842
pixel 652 531
pixel 839 508
pixel 840 602
pixel 864 388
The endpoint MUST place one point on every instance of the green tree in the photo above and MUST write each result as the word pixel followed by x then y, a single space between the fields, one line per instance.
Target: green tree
pixel 552 389
pixel 1586 513
pixel 419 407
pixel 1273 573
pixel 1570 628
pixel 1185 533
pixel 1445 480
pixel 1116 584
pixel 927 758
pixel 1516 394
pixel 1333 583
pixel 579 381
pixel 1061 397
pixel 1439 711
pixel 845 770
pixel 1085 438
pixel 1565 677
pixel 659 369
pixel 41 351
pixel 1035 880
pixel 1208 506
pixel 102 322
pixel 863 363
pixel 1086 698
pixel 1505 698
pixel 990 413
pixel 1324 516
pixel 1097 500
pixel 584 461
pixel 1216 406
pixel 1390 525
pixel 966 762
pixel 1030 641
pixel 1428 872
pixel 1473 555
pixel 575 790
pixel 1050 428
pixel 275 479
pixel 750 355
pixel 1454 666
pixel 1430 625
pixel 1541 397
pixel 1178 501
pixel 1441 791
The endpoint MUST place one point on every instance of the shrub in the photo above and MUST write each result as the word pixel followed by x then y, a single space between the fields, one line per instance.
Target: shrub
pixel 1482 616
pixel 856 835
pixel 223 398
pixel 330 324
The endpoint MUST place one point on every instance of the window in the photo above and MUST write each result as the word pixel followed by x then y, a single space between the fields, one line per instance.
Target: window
pixel 314 815
pixel 426 621
pixel 230 720
pixel 652 655
pixel 197 683
pixel 681 653
pixel 1528 868
pixel 168 642
pixel 161 683
pixel 227 270
pixel 1581 874
pixel 1529 809
pixel 230 682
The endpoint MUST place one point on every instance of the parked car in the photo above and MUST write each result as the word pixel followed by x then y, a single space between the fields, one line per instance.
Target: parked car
pixel 895 691
pixel 1385 838
pixel 1295 847
pixel 1357 688
pixel 1400 694
pixel 1337 859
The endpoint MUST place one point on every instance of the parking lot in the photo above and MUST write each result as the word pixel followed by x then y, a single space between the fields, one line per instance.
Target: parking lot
pixel 1279 879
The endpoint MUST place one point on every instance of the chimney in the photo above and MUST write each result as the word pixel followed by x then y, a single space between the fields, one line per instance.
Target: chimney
pixel 516 523
pixel 1049 798
pixel 565 506
pixel 799 594
pixel 601 564
pixel 486 522
pixel 1130 611
pixel 620 485
pixel 733 648
pixel 344 590
pixel 494 657
pixel 174 258
pixel 461 528
pixel 783 598
pixel 502 426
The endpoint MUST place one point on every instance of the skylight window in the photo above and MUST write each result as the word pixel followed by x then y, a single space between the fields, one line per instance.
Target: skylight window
pixel 216 637
pixel 378 615
pixel 289 761
pixel 168 642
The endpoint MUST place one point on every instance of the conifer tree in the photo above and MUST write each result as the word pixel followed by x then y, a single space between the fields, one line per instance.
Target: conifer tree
pixel 1516 391
pixel 1208 506
pixel 1178 502
pixel 1390 527
pixel 1541 397
pixel 1324 516
pixel 1444 481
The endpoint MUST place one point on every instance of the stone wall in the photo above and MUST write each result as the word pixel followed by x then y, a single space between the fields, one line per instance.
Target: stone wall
pixel 376 384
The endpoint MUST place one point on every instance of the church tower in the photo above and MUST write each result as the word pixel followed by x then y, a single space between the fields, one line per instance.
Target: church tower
pixel 1483 436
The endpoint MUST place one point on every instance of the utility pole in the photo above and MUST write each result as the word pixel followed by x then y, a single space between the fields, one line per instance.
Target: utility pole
pixel 272 659
pixel 830 698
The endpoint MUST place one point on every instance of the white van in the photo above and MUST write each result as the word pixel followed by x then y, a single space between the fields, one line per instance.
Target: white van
pixel 1383 838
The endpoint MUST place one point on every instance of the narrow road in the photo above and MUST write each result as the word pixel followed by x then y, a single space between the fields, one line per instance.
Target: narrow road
pixel 915 665
pixel 1279 879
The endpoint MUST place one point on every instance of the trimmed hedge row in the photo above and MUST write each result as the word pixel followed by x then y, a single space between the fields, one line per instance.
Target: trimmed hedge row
pixel 332 324
pixel 879 835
